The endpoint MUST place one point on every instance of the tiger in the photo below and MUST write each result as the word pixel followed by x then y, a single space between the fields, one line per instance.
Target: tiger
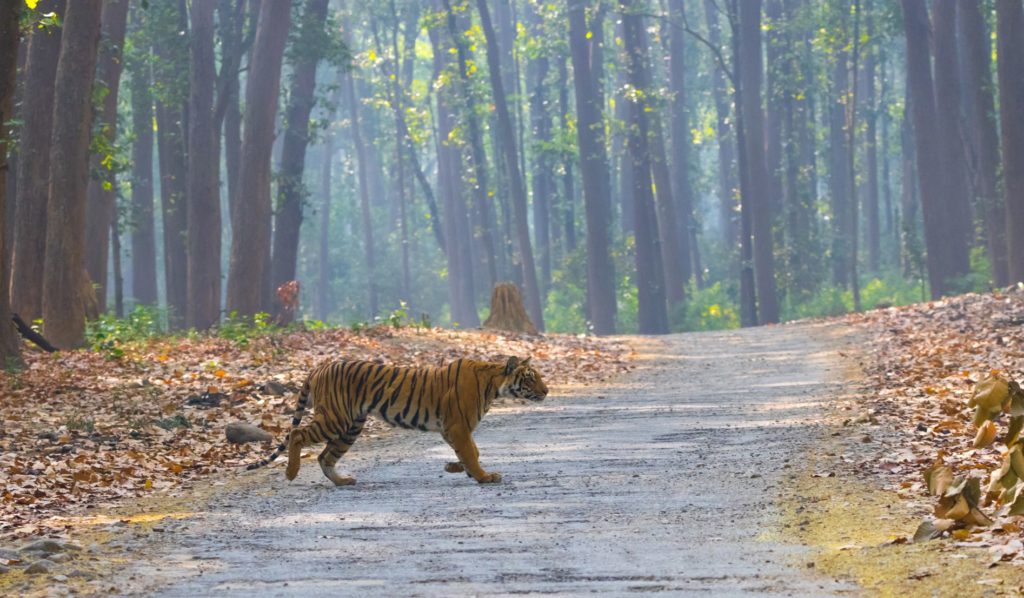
pixel 449 399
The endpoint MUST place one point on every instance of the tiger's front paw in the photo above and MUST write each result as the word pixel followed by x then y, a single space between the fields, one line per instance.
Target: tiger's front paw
pixel 454 467
pixel 490 478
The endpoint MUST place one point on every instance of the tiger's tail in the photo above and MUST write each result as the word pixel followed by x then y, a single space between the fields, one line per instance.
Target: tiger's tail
pixel 300 409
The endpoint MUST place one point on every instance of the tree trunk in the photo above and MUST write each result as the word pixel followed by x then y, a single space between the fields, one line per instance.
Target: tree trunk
pixel 143 238
pixel 727 184
pixel 248 270
pixel 203 209
pixel 518 188
pixel 594 173
pixel 323 263
pixel 568 160
pixel 958 216
pixel 292 190
pixel 63 300
pixel 485 220
pixel 10 12
pixel 748 292
pixel 838 172
pixel 100 197
pixel 33 175
pixel 682 191
pixel 652 316
pixel 874 232
pixel 458 239
pixel 773 104
pixel 364 195
pixel 976 49
pixel 941 243
pixel 751 66
pixel 1009 32
pixel 231 21
pixel 537 69
pixel 170 76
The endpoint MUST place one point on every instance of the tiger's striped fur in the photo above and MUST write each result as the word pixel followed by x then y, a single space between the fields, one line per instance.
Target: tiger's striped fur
pixel 450 399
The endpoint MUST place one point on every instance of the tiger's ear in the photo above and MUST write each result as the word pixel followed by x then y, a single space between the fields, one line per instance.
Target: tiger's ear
pixel 526 362
pixel 511 365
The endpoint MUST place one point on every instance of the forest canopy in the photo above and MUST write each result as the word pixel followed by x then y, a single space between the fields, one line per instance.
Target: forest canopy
pixel 630 165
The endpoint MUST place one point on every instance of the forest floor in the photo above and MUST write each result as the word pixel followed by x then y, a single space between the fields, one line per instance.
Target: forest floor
pixel 777 460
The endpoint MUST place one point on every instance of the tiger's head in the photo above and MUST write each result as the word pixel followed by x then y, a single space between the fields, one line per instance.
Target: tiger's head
pixel 523 381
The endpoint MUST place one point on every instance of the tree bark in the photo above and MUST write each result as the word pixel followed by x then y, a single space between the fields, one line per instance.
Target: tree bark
pixel 976 49
pixel 10 11
pixel 838 173
pixel 594 173
pixel 248 270
pixel 652 315
pixel 63 300
pixel 364 196
pixel 292 190
pixel 748 291
pixel 728 185
pixel 518 188
pixel 203 207
pixel 143 237
pixel 33 174
pixel 170 77
pixel 871 207
pixel 751 66
pixel 959 220
pixel 537 69
pixel 682 190
pixel 1009 32
pixel 941 242
pixel 100 196
pixel 568 160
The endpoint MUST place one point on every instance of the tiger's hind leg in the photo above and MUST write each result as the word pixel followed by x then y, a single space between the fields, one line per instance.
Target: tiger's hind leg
pixel 336 449
pixel 314 432
pixel 454 467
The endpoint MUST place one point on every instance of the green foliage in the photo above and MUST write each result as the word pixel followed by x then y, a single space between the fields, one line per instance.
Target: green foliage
pixel 242 329
pixel 710 308
pixel 565 310
pixel 979 279
pixel 109 334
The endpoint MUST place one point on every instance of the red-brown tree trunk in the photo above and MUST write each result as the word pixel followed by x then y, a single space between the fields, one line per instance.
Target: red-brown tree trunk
pixel 248 271
pixel 34 167
pixel 64 274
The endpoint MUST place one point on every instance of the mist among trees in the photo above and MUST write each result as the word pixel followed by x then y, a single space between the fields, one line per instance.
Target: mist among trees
pixel 631 165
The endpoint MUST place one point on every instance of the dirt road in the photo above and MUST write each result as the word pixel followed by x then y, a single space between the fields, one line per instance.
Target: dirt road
pixel 665 481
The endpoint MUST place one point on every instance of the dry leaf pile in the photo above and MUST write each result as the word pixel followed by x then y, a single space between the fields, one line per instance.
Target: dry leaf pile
pixel 80 429
pixel 942 373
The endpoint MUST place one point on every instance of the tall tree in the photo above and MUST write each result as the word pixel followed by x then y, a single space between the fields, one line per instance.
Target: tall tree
pixel 682 190
pixel 543 181
pixel 248 278
pixel 594 173
pixel 307 50
pixel 518 188
pixel 10 13
pixel 33 172
pixel 457 234
pixel 64 277
pixel 951 138
pixel 101 195
pixel 976 48
pixel 171 91
pixel 142 233
pixel 364 193
pixel 203 208
pixel 871 207
pixel 1009 32
pixel 652 314
pixel 751 67
pixel 724 135
pixel 945 250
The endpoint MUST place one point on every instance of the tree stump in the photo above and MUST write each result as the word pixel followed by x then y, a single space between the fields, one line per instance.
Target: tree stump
pixel 507 311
